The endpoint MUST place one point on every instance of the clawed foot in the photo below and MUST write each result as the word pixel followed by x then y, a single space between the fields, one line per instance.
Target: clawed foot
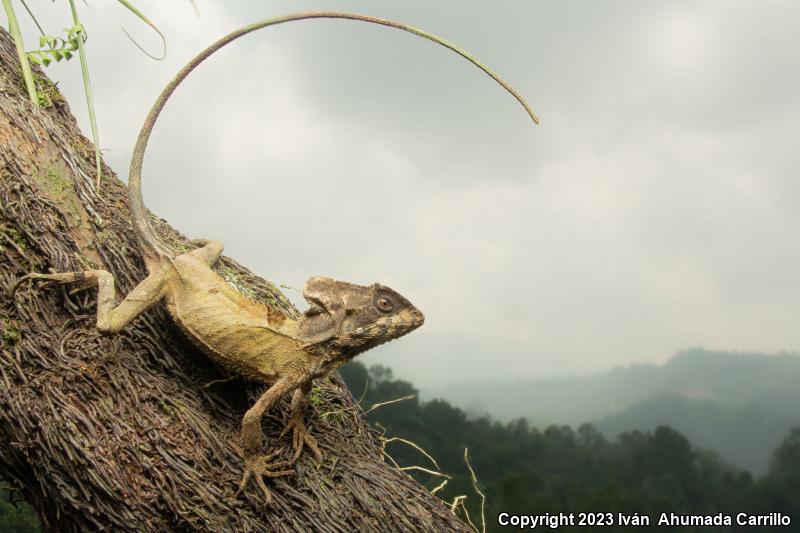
pixel 259 467
pixel 300 438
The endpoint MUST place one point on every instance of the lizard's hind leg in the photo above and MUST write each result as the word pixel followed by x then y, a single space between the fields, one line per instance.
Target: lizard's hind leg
pixel 111 319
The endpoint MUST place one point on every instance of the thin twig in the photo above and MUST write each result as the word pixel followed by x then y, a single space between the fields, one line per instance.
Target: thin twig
pixel 416 447
pixel 475 486
pixel 150 23
pixel 383 404
pixel 357 405
pixel 385 453
pixel 455 503
pixel 364 392
pixel 423 469
pixel 440 487
pixel 33 17
pixel 466 515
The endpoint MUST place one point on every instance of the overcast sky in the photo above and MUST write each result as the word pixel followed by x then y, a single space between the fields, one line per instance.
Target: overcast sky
pixel 656 207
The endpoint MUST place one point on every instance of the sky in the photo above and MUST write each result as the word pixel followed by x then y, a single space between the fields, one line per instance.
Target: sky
pixel 654 209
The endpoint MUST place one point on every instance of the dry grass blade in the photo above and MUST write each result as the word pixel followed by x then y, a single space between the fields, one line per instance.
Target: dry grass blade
pixel 456 501
pixel 390 402
pixel 415 446
pixel 423 469
pixel 150 23
pixel 439 487
pixel 478 490
pixel 33 17
pixel 466 515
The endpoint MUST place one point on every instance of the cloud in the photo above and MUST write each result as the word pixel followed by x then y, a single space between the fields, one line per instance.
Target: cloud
pixel 654 209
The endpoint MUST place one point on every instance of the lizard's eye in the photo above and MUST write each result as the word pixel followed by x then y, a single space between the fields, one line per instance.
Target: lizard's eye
pixel 384 304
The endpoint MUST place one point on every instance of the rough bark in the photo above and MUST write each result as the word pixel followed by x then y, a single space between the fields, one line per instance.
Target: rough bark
pixel 119 433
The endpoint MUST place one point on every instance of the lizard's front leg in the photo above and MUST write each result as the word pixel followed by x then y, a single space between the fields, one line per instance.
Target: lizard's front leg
pixel 111 319
pixel 256 465
pixel 300 435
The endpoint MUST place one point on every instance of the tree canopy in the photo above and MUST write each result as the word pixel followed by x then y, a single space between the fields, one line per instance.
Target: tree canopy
pixel 529 470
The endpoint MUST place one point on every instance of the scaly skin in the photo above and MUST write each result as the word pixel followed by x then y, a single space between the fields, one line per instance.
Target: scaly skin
pixel 248 338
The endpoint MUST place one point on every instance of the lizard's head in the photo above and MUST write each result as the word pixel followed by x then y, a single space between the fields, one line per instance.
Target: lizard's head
pixel 350 319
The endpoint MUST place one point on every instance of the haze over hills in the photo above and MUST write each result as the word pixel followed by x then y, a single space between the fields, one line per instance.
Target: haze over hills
pixel 739 404
pixel 744 436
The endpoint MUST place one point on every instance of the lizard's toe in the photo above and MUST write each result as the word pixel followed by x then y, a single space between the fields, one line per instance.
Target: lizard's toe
pixel 258 467
pixel 301 438
pixel 304 438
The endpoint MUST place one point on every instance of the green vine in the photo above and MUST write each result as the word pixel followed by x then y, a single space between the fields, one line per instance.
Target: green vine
pixel 57 48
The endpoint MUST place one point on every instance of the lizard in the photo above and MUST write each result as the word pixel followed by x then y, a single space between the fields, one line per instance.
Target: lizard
pixel 248 338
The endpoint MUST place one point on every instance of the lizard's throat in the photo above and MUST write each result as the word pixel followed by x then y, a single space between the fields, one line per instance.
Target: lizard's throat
pixel 360 340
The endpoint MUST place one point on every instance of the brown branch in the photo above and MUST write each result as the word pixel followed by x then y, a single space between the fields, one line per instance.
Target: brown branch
pixel 119 433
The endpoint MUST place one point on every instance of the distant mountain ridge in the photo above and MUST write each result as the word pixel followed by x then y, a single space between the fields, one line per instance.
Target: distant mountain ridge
pixel 744 436
pixel 738 404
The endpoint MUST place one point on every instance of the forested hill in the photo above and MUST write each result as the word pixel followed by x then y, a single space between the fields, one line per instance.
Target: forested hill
pixel 740 405
pixel 744 436
pixel 529 470
pixel 727 379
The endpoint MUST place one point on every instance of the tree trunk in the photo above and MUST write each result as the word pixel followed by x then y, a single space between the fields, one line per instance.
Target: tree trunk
pixel 119 432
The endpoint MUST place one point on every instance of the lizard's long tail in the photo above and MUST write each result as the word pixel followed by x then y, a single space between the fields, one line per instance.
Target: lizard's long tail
pixel 152 247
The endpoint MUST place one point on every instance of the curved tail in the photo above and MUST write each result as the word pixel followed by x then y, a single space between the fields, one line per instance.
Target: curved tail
pixel 152 247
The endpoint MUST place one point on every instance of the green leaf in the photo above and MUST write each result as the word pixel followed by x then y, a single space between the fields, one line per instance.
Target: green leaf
pixel 87 87
pixel 13 29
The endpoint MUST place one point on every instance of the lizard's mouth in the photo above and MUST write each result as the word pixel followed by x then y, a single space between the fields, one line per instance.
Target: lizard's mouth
pixel 395 326
pixel 417 318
